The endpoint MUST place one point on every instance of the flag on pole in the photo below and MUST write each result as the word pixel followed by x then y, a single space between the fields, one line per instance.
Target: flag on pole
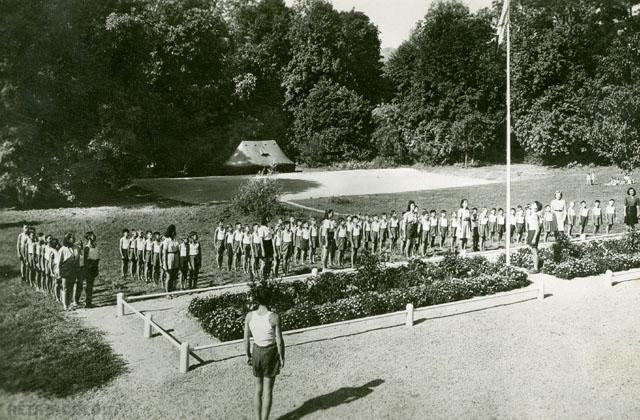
pixel 503 21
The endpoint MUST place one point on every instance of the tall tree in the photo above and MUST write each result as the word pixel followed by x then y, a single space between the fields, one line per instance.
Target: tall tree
pixel 448 84
pixel 339 46
pixel 332 124
pixel 260 33
pixel 52 79
pixel 556 50
pixel 337 53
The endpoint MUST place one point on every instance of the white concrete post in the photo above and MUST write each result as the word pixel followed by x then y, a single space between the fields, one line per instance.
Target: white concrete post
pixel 541 291
pixel 119 304
pixel 608 276
pixel 184 357
pixel 314 272
pixel 148 329
pixel 409 320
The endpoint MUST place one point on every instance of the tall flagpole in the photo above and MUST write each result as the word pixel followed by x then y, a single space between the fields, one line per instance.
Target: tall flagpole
pixel 508 209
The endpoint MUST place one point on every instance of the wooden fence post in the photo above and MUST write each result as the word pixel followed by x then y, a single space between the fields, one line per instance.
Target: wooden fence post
pixel 541 291
pixel 409 320
pixel 608 276
pixel 148 329
pixel 184 357
pixel 120 304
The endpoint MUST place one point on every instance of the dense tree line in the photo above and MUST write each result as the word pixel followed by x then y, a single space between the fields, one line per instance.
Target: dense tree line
pixel 96 92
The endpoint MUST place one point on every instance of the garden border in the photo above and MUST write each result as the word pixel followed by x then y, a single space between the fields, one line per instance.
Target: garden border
pixel 186 350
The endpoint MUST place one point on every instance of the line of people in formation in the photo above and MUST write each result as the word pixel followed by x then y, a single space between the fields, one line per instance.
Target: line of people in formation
pixel 67 269
pixel 62 269
pixel 161 259
pixel 411 233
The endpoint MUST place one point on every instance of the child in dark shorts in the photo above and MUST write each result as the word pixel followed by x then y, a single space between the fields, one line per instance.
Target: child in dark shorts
pixel 584 216
pixel 314 243
pixel 266 356
pixel 475 229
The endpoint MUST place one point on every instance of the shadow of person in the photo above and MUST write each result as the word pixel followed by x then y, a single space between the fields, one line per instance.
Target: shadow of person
pixel 344 395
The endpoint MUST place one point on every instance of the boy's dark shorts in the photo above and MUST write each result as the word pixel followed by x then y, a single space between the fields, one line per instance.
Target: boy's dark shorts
pixel 266 361
pixel 532 238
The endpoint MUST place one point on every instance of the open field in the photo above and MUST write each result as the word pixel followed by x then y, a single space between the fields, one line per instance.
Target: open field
pixel 524 189
pixel 322 185
pixel 301 185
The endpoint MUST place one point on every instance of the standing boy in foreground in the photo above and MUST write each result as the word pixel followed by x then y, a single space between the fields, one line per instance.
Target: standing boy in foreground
pixel 267 357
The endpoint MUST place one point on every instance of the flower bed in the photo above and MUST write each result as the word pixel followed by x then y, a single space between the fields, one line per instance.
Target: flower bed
pixel 371 290
pixel 568 260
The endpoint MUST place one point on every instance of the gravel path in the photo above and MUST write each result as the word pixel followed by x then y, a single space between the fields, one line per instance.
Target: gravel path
pixel 573 355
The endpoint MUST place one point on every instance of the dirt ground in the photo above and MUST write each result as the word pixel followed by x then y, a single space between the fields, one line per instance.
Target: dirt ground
pixel 572 355
pixel 317 183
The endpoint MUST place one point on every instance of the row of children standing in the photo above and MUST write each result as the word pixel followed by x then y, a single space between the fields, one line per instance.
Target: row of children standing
pixel 413 233
pixel 301 242
pixel 161 259
pixel 271 248
pixel 63 270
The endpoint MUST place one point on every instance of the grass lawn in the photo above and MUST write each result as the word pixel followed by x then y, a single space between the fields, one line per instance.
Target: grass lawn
pixel 571 182
pixel 44 350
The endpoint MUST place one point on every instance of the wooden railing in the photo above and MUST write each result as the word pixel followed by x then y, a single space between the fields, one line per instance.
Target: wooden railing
pixel 186 351
pixel 150 325
pixel 612 278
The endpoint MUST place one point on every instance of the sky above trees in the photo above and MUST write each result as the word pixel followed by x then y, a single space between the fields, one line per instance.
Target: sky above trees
pixel 395 18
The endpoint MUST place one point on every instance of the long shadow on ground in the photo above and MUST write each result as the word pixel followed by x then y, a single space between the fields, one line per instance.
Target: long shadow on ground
pixel 343 395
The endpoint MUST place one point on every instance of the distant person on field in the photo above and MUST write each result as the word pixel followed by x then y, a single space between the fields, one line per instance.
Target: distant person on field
pixel 91 257
pixel 631 206
pixel 266 247
pixel 547 221
pixel 267 357
pixel 596 217
pixel 610 214
pixel 183 262
pixel 559 208
pixel 23 237
pixel 571 217
pixel 68 268
pixel 327 239
pixel 464 231
pixel 584 216
pixel 410 223
pixel 124 253
pixel 533 233
pixel 170 249
pixel 219 244
pixel 133 262
pixel 195 260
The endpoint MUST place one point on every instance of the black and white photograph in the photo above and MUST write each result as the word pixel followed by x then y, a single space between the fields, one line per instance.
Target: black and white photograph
pixel 319 209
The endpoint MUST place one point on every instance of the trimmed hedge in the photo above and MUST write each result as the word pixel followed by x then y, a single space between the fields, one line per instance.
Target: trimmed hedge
pixel 371 290
pixel 569 260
